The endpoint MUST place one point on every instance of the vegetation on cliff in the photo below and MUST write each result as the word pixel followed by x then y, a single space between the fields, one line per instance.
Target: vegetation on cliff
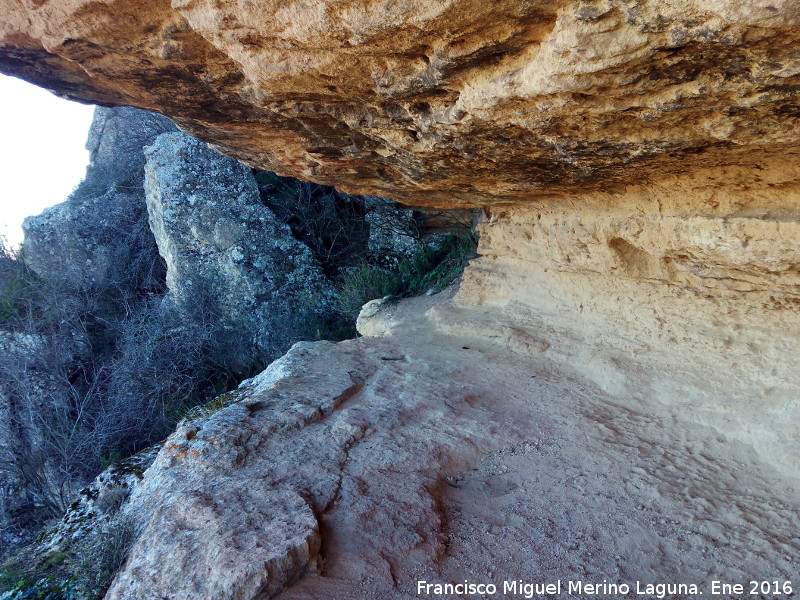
pixel 107 345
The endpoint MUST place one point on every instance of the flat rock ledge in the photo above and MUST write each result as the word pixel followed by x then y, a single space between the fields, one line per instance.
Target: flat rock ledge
pixel 355 470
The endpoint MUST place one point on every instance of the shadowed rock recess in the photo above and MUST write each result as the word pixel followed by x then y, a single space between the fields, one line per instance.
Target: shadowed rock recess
pixel 611 393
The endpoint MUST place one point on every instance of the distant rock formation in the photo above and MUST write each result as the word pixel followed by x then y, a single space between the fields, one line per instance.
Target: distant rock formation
pixel 225 248
pixel 393 233
pixel 116 141
pixel 99 234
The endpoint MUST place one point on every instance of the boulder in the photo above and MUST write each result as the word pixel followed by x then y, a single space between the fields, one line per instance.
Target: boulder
pixel 88 241
pixel 226 252
pixel 394 232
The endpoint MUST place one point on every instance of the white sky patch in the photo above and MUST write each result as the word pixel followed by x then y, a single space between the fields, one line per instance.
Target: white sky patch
pixel 42 154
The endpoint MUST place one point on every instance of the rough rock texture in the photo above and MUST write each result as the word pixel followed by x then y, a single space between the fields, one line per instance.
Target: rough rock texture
pixel 116 142
pixel 423 455
pixel 609 394
pixel 101 229
pixel 222 244
pixel 396 233
pixel 438 103
pixel 683 293
pixel 98 503
pixel 84 239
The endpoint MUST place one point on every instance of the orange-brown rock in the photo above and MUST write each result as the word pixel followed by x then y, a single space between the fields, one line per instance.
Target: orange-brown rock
pixel 431 102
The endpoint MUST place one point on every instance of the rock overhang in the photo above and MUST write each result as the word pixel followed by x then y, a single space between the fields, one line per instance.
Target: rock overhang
pixel 442 104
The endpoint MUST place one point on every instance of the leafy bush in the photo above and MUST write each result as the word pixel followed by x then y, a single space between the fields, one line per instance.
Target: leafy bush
pixel 429 270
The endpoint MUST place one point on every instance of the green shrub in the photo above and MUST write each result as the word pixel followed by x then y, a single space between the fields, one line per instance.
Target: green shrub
pixel 194 412
pixel 54 559
pixel 429 270
pixel 10 575
pixel 366 283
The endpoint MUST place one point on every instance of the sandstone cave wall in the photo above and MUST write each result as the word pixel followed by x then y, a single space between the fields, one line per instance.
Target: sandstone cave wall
pixel 683 293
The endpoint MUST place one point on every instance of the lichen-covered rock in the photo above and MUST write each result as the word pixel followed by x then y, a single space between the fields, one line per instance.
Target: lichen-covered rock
pixel 97 504
pixel 86 240
pixel 116 142
pixel 224 248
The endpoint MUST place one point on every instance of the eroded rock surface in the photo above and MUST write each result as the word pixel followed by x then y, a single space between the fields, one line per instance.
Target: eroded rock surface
pixel 116 142
pixel 437 103
pixel 428 456
pixel 97 504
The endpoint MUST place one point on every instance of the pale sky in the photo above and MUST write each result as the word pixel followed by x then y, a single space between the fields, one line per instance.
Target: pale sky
pixel 42 155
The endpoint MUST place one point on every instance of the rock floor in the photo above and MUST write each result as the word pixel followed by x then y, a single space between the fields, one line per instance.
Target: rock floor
pixel 440 458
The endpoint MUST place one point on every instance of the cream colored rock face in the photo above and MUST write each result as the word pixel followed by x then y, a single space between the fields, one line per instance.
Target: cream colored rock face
pixel 655 304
